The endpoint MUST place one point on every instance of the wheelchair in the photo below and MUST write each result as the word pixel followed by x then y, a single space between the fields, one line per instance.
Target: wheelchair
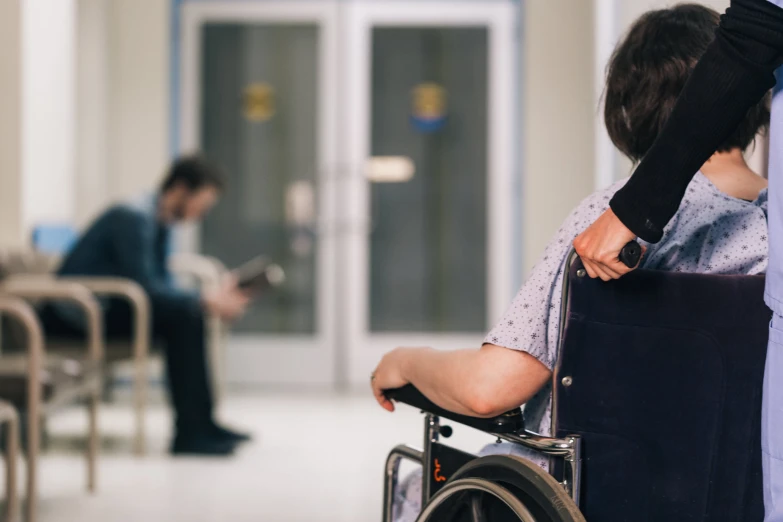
pixel 656 413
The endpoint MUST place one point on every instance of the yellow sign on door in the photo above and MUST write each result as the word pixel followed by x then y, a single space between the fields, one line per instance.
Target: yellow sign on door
pixel 259 102
pixel 429 107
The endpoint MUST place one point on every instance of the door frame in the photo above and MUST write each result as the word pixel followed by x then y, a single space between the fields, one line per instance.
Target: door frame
pixel 501 18
pixel 253 359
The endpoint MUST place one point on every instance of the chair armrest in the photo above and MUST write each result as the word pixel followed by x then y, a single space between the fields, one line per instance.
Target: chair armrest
pixel 48 288
pixel 130 292
pixel 7 412
pixel 24 313
pixel 509 422
pixel 208 273
pixel 205 270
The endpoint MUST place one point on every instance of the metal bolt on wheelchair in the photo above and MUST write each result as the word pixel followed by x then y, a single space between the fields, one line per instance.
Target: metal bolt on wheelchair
pixel 656 400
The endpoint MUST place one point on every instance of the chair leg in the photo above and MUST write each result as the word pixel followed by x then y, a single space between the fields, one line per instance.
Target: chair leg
pixel 139 400
pixel 46 439
pixel 108 384
pixel 12 454
pixel 216 348
pixel 33 437
pixel 92 444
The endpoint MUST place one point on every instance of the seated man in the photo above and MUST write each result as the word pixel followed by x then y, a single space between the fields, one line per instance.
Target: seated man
pixel 131 241
pixel 720 228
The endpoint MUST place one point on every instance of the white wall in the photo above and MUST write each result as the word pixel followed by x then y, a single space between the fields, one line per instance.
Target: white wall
pixel 123 101
pixel 138 96
pixel 559 111
pixel 630 10
pixel 10 122
pixel 92 59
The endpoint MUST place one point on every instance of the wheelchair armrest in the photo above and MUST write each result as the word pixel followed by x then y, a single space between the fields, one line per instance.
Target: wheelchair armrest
pixel 510 422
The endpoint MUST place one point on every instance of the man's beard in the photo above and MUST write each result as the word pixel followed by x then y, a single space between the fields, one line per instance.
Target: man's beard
pixel 178 212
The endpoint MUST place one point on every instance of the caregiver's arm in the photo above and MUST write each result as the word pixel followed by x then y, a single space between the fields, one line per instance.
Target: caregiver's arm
pixel 732 76
pixel 479 383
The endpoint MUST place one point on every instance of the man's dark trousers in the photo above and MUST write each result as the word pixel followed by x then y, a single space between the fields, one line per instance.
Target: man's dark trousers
pixel 182 331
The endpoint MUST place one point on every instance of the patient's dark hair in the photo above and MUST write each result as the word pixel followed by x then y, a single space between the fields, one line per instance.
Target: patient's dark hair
pixel 194 172
pixel 648 70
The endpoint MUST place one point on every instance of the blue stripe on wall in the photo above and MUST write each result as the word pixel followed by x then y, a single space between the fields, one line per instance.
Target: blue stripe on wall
pixel 174 79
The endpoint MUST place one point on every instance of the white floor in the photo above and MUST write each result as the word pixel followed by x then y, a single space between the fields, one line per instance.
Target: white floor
pixel 314 458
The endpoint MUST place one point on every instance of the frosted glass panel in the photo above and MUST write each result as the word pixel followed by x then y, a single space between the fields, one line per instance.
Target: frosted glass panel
pixel 259 121
pixel 429 237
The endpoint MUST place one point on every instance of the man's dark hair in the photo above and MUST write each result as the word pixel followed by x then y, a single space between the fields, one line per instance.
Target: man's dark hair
pixel 194 172
pixel 648 70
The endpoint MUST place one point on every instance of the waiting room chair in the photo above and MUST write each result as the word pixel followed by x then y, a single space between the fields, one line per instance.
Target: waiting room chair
pixel 205 272
pixel 9 417
pixel 38 383
pixel 30 267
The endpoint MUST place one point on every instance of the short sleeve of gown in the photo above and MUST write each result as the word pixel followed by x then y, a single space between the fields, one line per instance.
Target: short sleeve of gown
pixel 531 323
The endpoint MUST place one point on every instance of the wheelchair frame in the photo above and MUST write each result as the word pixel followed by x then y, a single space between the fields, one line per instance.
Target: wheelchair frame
pixel 568 448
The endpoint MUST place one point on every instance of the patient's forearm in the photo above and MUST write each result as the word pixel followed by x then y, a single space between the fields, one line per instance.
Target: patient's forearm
pixel 482 383
pixel 444 377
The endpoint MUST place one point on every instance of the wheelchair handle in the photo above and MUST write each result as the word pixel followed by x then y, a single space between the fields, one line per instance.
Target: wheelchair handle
pixel 631 254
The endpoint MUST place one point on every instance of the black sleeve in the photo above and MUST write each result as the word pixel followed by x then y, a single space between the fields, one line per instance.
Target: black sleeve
pixel 133 242
pixel 733 74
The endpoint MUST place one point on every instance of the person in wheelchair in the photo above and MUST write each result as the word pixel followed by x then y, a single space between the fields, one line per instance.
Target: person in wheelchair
pixel 720 228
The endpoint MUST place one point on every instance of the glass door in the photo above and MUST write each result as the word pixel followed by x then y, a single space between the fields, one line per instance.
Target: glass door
pixel 428 262
pixel 258 91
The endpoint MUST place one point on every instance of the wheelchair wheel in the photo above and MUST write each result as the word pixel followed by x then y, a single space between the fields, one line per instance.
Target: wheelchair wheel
pixel 544 498
pixel 474 500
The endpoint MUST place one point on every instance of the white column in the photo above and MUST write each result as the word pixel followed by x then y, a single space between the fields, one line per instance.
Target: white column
pixel 48 112
pixel 37 127
pixel 606 34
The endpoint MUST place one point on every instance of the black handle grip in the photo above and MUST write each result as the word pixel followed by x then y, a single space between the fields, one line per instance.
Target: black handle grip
pixel 631 254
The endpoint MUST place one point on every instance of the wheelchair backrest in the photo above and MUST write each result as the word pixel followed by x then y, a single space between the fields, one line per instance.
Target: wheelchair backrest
pixel 661 373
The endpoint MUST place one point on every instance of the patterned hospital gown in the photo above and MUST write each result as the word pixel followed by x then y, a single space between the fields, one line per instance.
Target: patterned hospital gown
pixel 711 233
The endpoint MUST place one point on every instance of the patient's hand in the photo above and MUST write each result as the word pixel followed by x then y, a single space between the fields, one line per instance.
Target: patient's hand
pixel 389 375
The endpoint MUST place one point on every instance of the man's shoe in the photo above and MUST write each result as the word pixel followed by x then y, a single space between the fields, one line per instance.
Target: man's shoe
pixel 221 433
pixel 204 445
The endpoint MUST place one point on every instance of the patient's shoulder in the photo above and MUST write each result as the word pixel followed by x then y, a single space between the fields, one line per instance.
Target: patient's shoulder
pixel 588 210
pixel 713 233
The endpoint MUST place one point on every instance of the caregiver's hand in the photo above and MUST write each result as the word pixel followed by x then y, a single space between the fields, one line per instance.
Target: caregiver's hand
pixel 599 247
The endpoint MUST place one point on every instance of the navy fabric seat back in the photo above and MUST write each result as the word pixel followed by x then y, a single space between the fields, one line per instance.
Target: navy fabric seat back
pixel 666 378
